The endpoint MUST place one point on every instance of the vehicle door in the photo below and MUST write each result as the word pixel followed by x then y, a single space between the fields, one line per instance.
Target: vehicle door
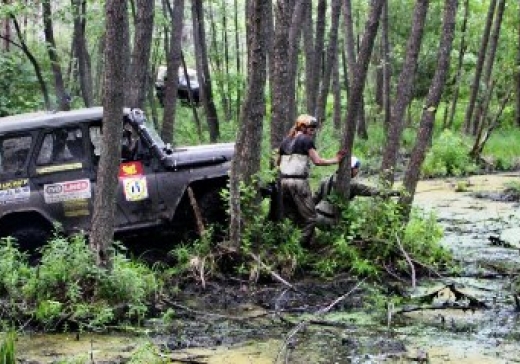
pixel 59 173
pixel 136 195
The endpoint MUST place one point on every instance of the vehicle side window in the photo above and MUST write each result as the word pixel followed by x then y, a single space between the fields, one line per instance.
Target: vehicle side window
pixel 61 145
pixel 13 153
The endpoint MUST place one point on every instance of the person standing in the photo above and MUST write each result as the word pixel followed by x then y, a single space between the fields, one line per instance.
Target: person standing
pixel 296 152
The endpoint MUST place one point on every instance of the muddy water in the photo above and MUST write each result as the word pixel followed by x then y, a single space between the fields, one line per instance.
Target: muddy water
pixel 242 324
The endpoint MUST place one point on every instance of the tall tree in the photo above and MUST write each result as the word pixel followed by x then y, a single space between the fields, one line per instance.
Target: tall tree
pixel 425 132
pixel 458 77
pixel 113 101
pixel 517 73
pixel 199 38
pixel 355 97
pixel 387 69
pixel 475 87
pixel 140 57
pixel 488 67
pixel 248 145
pixel 331 56
pixel 404 92
pixel 173 62
pixel 80 50
pixel 63 98
pixel 279 75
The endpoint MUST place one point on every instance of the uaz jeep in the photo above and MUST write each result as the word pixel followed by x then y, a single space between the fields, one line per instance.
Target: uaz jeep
pixel 48 169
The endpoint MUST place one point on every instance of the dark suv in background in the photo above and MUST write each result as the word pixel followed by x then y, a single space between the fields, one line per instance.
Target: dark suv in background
pixel 48 173
pixel 183 90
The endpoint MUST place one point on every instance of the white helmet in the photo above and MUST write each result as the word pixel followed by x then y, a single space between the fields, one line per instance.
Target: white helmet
pixel 354 162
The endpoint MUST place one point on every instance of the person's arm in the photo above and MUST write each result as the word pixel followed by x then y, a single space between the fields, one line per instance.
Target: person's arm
pixel 319 161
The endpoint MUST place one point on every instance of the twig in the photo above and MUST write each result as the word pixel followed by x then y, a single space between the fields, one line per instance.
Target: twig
pixel 321 311
pixel 273 273
pixel 407 257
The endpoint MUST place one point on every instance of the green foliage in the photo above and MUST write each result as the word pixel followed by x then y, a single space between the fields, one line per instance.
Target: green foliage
pixel 503 148
pixel 147 353
pixel 368 236
pixel 8 349
pixel 18 92
pixel 448 157
pixel 67 283
pixel 14 270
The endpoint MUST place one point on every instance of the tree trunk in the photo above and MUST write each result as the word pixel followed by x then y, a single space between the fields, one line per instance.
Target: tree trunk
pixel 199 38
pixel 309 55
pixel 295 32
pixel 425 132
pixel 279 77
pixel 462 51
pixel 475 87
pixel 358 76
pixel 6 31
pixel 332 51
pixel 350 46
pixel 248 145
pixel 336 92
pixel 517 90
pixel 316 64
pixel 63 98
pixel 113 101
pixel 79 10
pixel 173 62
pixel 404 92
pixel 488 67
pixel 387 69
pixel 140 57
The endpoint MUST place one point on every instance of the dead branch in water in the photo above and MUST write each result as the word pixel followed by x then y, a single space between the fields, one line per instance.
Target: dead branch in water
pixel 302 324
pixel 407 257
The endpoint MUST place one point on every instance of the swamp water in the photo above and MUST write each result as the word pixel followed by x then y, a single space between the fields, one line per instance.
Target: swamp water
pixel 258 325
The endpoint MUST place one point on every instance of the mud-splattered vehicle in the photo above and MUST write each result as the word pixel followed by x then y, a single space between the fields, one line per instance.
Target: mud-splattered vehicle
pixel 48 170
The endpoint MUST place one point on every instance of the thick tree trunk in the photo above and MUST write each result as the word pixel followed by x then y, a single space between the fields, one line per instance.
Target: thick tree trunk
pixel 140 57
pixel 173 62
pixel 358 76
pixel 425 132
pixel 404 92
pixel 308 51
pixel 279 77
pixel 199 37
pixel 63 98
pixel 248 145
pixel 475 87
pixel 113 101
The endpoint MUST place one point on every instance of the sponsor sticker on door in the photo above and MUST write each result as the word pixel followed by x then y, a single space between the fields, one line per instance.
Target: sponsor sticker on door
pixel 66 191
pixel 16 191
pixel 135 188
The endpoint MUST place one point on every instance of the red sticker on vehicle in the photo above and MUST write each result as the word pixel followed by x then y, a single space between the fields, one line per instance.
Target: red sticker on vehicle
pixel 129 169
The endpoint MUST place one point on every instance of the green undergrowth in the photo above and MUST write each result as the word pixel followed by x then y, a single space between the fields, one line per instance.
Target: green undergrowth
pixel 67 288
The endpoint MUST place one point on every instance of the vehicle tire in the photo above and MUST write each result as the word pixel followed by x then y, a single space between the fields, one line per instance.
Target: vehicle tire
pixel 29 236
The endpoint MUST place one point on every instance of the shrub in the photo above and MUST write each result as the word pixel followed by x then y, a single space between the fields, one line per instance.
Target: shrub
pixel 448 157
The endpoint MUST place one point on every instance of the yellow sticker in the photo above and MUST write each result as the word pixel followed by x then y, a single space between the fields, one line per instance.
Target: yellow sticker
pixel 59 168
pixel 135 188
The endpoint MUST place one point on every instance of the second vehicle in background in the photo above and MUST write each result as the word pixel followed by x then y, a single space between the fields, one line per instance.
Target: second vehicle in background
pixel 186 85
